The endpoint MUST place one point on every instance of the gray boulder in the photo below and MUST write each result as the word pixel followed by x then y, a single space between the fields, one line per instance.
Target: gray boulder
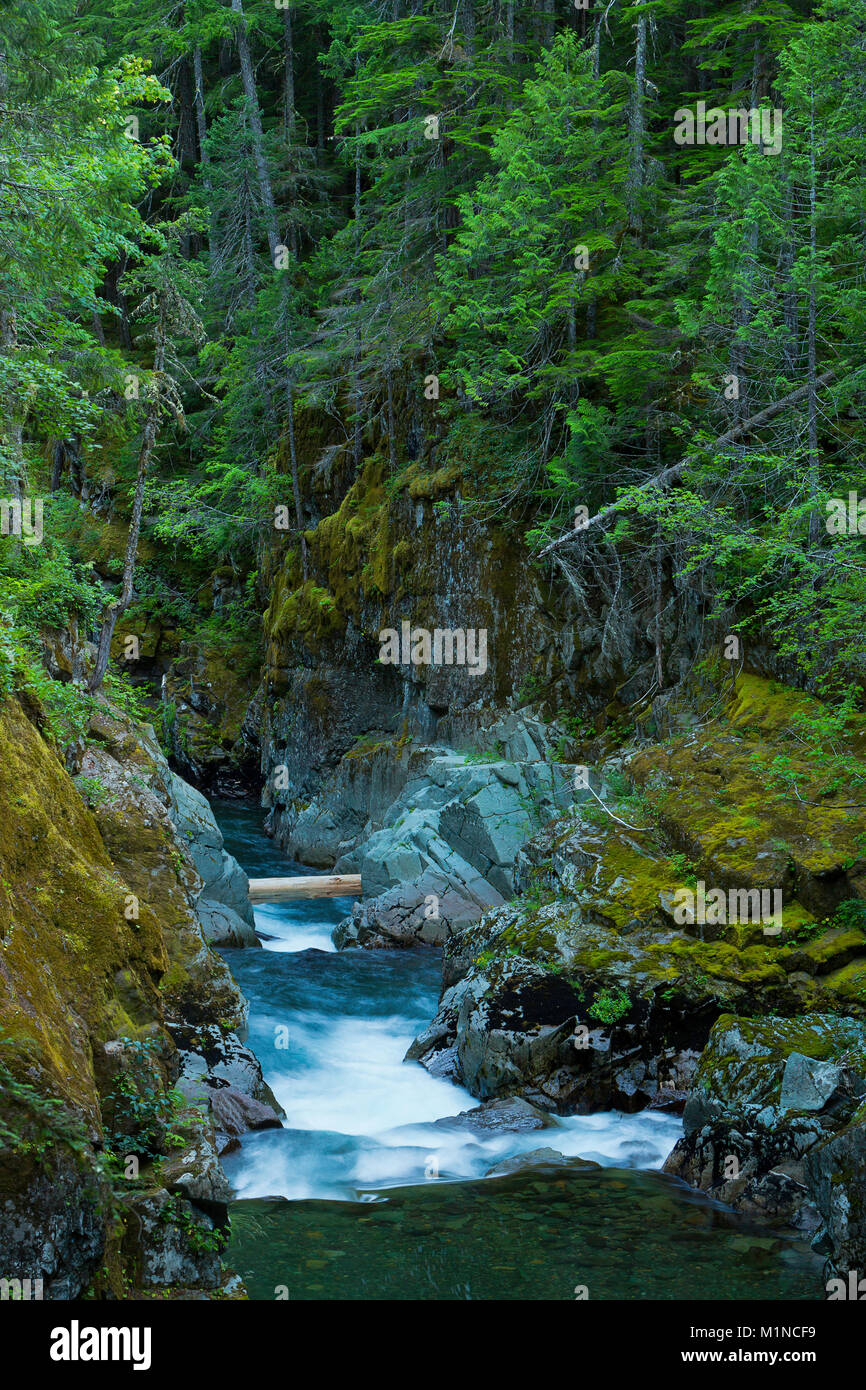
pixel 510 1115
pixel 539 1158
pixel 775 1126
pixel 172 1241
pixel 446 850
pixel 223 905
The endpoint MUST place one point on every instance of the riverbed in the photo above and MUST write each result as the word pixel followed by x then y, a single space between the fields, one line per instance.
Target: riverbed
pixel 369 1192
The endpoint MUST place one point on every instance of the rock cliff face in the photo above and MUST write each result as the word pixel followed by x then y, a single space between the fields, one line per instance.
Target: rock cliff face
pixel 223 905
pixel 206 694
pixel 600 984
pixel 385 550
pixel 109 996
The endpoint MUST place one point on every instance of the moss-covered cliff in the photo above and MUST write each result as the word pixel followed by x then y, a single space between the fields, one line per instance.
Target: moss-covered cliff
pixel 100 955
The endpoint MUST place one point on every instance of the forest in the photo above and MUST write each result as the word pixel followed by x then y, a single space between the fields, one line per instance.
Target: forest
pixel 471 231
pixel 539 326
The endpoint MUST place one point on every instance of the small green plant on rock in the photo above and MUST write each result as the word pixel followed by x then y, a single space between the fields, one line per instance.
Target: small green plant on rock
pixel 139 1112
pixel 93 790
pixel 609 1006
pixel 200 1239
pixel 851 915
pixel 45 1120
pixel 685 868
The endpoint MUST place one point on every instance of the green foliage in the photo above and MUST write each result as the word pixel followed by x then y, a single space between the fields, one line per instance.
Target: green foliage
pixel 563 384
pixel 851 915
pixel 610 1006
pixel 685 869
pixel 39 1121
pixel 140 1111
pixel 198 1238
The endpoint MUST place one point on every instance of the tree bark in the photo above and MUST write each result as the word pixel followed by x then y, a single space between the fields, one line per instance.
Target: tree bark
pixel 509 47
pixel 659 575
pixel 288 75
pixel 637 127
pixel 320 99
pixel 549 20
pixel 200 120
pixel 258 138
pixel 293 460
pixel 814 479
pixel 356 356
pixel 186 124
pixel 468 8
pixel 12 407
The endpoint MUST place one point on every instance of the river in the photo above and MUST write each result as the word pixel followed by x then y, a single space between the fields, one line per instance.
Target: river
pixel 363 1195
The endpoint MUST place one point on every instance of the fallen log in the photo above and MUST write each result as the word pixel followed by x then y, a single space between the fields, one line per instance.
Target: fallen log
pixel 280 890
pixel 671 474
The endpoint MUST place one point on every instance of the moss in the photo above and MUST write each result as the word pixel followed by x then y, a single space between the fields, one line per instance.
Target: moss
pixel 67 937
pixel 352 547
pixel 429 486
pixel 531 936
pixel 733 824
pixel 75 973
pixel 310 611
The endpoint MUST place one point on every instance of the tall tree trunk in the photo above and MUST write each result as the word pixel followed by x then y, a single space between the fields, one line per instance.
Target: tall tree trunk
pixel 12 408
pixel 200 120
pixel 389 384
pixel 289 118
pixel 815 525
pixel 186 123
pixel 117 606
pixel 288 76
pixel 737 362
pixel 293 460
pixel 637 125
pixel 320 99
pixel 509 47
pixel 468 9
pixel 549 20
pixel 258 140
pixel 659 574
pixel 204 155
pixel 790 305
pixel 356 356
pixel 249 249
pixel 57 465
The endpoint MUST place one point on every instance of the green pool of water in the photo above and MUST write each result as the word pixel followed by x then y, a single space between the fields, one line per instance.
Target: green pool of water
pixel 540 1234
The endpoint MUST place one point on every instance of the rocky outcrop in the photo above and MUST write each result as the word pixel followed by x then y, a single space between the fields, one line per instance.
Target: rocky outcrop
pixel 446 851
pixel 593 988
pixel 207 692
pixel 223 904
pixel 216 1069
pixel 608 982
pixel 108 1175
pixel 432 832
pixel 539 1158
pixel 383 548
pixel 775 1126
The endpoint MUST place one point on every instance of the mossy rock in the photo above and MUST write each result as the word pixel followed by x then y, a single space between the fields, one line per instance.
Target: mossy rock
pixel 98 941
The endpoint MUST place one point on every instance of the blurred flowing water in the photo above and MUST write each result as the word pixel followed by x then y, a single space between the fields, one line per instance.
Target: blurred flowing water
pixel 384 1202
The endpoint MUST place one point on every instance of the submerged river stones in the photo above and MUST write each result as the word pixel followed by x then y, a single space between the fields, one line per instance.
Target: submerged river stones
pixel 776 1125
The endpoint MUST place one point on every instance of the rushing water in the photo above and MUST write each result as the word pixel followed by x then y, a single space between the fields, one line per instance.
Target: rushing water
pixel 384 1196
